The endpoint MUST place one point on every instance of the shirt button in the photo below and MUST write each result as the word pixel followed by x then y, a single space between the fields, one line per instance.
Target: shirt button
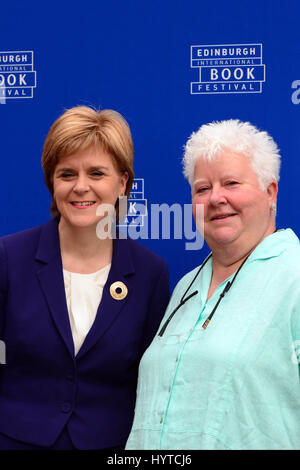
pixel 176 359
pixel 161 420
pixel 65 407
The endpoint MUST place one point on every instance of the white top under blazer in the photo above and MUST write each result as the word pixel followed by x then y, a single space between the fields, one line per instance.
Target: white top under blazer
pixel 83 295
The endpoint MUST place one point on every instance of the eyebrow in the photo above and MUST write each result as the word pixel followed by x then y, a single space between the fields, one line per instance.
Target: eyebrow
pixel 99 167
pixel 93 168
pixel 63 169
pixel 199 181
pixel 224 177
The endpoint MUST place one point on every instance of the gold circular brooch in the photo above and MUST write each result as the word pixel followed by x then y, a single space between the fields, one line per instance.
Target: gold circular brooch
pixel 118 290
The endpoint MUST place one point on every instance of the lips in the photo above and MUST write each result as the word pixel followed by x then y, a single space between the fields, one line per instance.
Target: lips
pixel 222 216
pixel 82 204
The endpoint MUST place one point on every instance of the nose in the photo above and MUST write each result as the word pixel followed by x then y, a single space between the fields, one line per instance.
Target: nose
pixel 217 196
pixel 81 184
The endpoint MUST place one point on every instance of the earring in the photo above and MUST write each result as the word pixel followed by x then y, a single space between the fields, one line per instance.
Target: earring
pixel 274 208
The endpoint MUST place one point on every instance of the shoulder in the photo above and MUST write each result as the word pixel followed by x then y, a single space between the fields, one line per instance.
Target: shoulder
pixel 277 255
pixel 288 252
pixel 289 261
pixel 17 252
pixel 24 241
pixel 20 236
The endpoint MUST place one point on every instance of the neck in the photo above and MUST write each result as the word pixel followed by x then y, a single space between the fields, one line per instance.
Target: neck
pixel 227 259
pixel 224 268
pixel 81 250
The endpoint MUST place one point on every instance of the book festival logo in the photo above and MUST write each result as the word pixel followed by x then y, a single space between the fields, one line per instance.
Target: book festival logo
pixel 228 68
pixel 17 76
pixel 137 205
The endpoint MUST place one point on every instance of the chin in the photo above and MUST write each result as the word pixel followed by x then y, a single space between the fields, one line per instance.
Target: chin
pixel 224 237
pixel 83 222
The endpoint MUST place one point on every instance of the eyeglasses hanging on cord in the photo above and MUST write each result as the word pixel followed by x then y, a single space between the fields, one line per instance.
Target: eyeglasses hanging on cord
pixel 185 299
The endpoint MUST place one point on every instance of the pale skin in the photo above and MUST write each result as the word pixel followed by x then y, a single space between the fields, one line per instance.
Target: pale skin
pixel 238 214
pixel 81 182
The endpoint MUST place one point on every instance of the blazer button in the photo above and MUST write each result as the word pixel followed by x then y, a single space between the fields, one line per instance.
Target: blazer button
pixel 65 407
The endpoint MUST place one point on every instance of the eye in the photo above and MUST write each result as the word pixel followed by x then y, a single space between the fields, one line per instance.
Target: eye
pixel 96 173
pixel 231 183
pixel 201 190
pixel 66 175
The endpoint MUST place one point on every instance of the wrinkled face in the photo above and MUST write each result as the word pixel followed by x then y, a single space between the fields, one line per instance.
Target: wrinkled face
pixel 236 210
pixel 84 180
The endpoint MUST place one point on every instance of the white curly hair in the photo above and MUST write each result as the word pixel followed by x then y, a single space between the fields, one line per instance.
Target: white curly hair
pixel 237 136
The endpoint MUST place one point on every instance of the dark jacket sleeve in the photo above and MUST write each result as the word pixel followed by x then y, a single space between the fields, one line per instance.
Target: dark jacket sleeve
pixel 158 304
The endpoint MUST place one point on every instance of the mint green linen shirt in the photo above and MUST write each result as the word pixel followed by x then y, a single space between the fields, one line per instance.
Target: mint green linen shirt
pixel 236 384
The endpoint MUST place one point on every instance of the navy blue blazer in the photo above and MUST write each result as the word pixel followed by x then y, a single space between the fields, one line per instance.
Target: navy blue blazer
pixel 43 386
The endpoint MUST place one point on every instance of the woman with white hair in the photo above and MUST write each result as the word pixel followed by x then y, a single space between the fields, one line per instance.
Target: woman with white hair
pixel 222 372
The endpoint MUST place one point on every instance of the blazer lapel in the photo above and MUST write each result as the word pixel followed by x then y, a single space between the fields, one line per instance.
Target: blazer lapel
pixel 50 276
pixel 122 268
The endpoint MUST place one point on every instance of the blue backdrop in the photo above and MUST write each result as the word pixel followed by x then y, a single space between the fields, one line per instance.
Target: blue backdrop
pixel 136 57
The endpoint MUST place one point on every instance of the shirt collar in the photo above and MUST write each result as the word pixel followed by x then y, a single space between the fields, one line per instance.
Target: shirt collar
pixel 273 245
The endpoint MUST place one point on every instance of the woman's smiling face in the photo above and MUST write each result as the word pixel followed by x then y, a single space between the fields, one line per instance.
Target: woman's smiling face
pixel 84 180
pixel 236 210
